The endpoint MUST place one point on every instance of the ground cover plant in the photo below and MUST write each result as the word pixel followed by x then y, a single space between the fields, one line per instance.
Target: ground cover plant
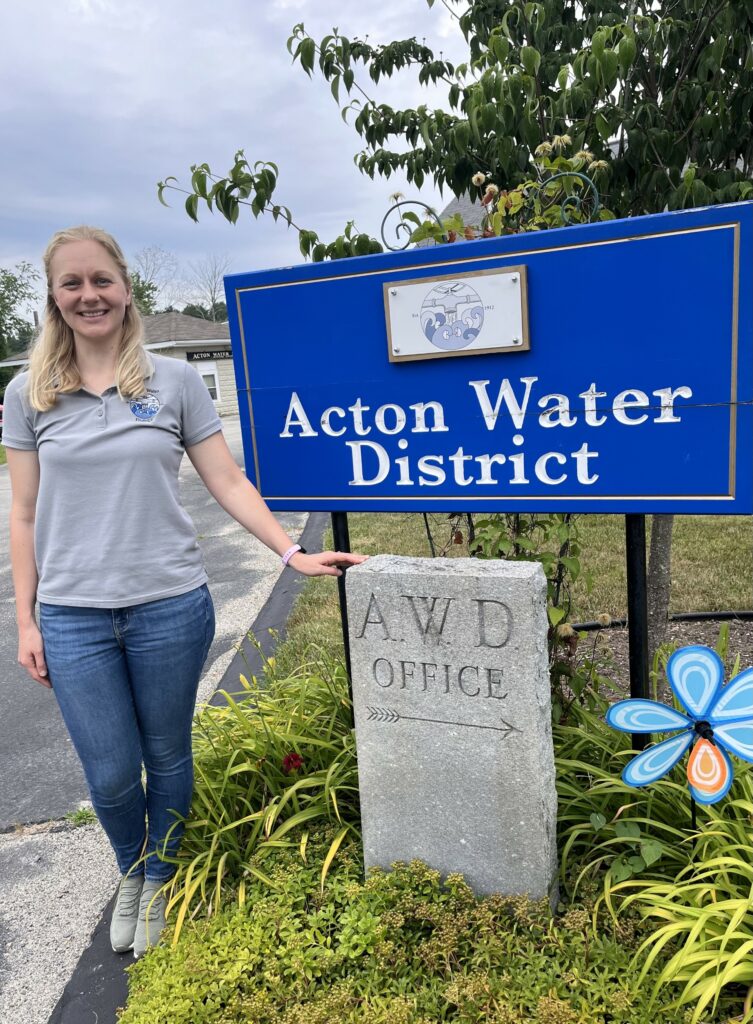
pixel 398 948
pixel 692 883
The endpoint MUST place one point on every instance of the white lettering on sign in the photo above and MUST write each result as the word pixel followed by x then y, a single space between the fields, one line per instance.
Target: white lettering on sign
pixel 508 404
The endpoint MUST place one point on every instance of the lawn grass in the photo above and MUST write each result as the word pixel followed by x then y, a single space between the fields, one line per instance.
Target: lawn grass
pixel 3 458
pixel 712 562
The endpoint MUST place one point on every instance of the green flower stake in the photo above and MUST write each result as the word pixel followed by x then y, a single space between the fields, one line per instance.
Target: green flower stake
pixel 719 719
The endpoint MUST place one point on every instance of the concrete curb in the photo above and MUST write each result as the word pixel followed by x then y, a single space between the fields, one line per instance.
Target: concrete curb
pixel 99 984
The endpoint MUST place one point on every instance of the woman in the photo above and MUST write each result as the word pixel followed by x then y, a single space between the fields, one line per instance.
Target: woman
pixel 95 431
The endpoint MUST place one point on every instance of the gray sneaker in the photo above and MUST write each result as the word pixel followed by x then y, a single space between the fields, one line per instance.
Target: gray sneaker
pixel 126 913
pixel 151 917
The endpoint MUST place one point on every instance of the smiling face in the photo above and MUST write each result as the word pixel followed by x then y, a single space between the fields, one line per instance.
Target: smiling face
pixel 89 291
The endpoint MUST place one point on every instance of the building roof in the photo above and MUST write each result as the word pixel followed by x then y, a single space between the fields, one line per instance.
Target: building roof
pixel 469 209
pixel 178 327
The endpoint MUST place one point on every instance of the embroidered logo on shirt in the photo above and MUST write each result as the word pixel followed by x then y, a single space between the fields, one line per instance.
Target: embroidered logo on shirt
pixel 145 408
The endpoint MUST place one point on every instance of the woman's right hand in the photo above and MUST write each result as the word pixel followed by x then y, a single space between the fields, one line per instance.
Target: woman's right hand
pixel 31 653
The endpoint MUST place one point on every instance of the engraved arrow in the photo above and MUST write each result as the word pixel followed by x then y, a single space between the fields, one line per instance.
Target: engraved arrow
pixel 391 715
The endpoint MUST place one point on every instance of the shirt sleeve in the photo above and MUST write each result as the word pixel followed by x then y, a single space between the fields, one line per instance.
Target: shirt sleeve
pixel 199 417
pixel 18 417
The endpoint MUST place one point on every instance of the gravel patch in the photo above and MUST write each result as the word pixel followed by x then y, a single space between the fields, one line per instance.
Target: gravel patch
pixel 56 882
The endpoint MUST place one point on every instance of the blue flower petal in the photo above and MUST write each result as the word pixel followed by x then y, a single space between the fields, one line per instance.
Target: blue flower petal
pixel 735 700
pixel 712 796
pixel 639 715
pixel 737 737
pixel 651 764
pixel 696 675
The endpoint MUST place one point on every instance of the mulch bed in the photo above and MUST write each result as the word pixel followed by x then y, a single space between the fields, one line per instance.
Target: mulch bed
pixel 614 643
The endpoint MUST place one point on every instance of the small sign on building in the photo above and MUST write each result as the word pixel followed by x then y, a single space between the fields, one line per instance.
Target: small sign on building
pixel 207 354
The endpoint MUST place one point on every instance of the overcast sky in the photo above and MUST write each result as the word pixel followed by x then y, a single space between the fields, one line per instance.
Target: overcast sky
pixel 100 99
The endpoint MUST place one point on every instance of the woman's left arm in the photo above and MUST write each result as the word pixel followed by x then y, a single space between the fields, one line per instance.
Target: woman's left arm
pixel 231 489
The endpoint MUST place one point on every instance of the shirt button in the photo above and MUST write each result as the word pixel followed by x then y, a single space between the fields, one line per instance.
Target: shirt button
pixel 99 413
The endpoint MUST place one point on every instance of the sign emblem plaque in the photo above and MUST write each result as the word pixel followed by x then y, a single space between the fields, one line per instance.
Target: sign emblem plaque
pixel 458 315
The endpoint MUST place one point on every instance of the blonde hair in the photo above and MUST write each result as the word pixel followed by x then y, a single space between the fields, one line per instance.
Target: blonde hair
pixel 52 362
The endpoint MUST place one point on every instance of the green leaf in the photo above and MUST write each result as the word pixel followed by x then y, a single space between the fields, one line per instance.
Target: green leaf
pixel 199 182
pixel 627 830
pixel 192 203
pixel 620 871
pixel 626 51
pixel 598 821
pixel 610 68
pixel 530 58
pixel 602 126
pixel 651 851
pixel 556 615
pixel 363 245
pixel 462 137
pixel 162 185
pixel 500 48
pixel 307 53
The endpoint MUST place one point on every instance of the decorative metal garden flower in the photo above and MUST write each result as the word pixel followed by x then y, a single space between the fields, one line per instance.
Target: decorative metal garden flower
pixel 719 719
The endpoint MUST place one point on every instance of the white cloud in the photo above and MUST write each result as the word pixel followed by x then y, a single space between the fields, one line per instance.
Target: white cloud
pixel 101 99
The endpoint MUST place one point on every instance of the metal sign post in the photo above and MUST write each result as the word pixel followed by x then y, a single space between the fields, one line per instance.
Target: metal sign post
pixel 341 542
pixel 635 551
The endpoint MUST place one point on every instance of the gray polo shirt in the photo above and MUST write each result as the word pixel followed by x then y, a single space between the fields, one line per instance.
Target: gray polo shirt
pixel 110 530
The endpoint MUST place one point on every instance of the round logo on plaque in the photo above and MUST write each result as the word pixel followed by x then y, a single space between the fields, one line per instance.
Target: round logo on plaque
pixel 452 315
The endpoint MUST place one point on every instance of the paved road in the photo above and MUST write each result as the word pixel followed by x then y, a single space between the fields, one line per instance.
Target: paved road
pixel 40 777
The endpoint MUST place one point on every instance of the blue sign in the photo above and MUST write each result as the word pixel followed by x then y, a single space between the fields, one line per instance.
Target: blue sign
pixel 595 368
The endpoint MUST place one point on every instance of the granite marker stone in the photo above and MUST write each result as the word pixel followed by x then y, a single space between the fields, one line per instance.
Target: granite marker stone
pixel 453 719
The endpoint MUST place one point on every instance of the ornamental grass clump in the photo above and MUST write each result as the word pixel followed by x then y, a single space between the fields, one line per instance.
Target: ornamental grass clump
pixel 402 947
pixel 702 919
pixel 277 760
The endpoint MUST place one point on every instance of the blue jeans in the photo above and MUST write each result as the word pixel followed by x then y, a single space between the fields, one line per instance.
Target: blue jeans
pixel 126 682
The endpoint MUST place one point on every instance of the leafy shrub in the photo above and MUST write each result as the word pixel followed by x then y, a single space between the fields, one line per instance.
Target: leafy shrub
pixel 399 948
pixel 267 767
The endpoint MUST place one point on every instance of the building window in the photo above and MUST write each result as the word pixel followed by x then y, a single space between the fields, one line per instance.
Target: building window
pixel 208 372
